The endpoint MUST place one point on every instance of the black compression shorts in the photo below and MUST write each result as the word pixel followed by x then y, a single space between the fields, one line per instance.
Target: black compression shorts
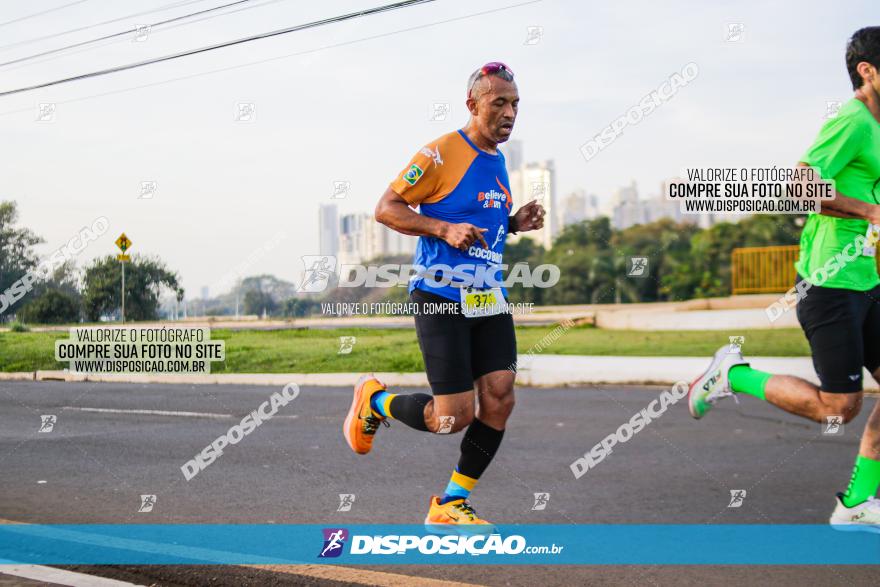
pixel 457 350
pixel 843 328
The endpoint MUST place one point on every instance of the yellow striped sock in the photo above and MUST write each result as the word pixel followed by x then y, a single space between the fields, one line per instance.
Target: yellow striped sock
pixel 463 481
pixel 386 403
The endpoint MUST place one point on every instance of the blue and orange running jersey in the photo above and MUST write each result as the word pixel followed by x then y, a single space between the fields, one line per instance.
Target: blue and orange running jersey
pixel 451 179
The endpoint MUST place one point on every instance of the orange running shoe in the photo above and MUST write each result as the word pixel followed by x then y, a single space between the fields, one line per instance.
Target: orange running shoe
pixel 455 517
pixel 362 422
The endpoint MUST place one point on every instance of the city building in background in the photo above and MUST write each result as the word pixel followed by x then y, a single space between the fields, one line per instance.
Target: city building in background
pixel 536 181
pixel 328 229
pixel 513 155
pixel 578 207
pixel 352 240
pixel 357 237
pixel 628 209
pixel 361 239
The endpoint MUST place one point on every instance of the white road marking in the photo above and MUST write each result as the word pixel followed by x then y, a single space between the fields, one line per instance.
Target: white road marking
pixel 60 576
pixel 167 413
pixel 149 412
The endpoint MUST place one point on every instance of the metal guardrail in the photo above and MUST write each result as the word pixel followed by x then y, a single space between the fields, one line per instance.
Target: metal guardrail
pixel 763 269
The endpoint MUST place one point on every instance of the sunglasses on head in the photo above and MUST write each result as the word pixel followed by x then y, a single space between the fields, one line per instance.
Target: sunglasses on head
pixel 494 67
pixel 491 68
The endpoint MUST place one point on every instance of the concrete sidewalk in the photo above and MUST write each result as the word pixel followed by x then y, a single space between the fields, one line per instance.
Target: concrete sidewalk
pixel 730 313
pixel 535 371
pixel 560 370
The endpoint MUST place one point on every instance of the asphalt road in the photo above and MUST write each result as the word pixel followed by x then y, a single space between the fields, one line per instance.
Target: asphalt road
pixel 100 457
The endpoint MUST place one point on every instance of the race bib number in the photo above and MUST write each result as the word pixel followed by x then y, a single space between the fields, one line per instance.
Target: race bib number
pixel 476 303
pixel 871 237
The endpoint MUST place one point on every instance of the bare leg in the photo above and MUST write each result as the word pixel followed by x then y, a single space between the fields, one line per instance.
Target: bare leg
pixel 495 398
pixel 870 445
pixel 457 405
pixel 802 398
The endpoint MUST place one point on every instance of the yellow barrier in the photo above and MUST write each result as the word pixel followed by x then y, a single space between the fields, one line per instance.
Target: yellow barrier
pixel 763 269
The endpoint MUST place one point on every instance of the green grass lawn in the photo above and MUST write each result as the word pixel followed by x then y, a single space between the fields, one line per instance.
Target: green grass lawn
pixel 316 351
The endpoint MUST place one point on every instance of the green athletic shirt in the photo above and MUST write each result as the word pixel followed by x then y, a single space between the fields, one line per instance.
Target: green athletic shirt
pixel 847 150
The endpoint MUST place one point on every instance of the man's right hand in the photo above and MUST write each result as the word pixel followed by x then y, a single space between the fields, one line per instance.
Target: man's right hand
pixel 463 235
pixel 874 214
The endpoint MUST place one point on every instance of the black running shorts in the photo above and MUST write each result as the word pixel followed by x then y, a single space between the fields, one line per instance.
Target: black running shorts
pixel 843 328
pixel 457 350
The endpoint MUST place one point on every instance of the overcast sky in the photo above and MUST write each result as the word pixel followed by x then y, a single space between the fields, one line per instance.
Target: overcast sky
pixel 352 102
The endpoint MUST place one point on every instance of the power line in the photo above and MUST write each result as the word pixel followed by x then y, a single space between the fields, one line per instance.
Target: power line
pixel 123 33
pixel 90 26
pixel 42 13
pixel 98 43
pixel 279 57
pixel 296 28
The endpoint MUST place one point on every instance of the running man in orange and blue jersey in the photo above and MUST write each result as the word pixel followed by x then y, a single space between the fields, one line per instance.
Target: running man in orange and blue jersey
pixel 459 183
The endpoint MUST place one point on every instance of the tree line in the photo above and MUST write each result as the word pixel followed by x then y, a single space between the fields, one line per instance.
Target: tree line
pixel 68 295
pixel 683 262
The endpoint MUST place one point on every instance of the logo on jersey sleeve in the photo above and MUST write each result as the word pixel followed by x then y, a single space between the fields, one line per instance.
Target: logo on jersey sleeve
pixel 433 154
pixel 413 174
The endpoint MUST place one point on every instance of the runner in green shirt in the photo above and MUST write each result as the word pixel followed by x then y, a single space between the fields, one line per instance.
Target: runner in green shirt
pixel 847 150
pixel 838 292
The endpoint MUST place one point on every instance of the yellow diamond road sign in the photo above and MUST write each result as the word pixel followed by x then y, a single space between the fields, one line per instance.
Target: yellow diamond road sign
pixel 123 243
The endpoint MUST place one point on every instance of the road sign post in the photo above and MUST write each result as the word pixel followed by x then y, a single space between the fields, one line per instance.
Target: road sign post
pixel 123 243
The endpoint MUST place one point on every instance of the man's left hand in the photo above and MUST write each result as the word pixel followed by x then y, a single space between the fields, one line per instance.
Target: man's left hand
pixel 530 217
